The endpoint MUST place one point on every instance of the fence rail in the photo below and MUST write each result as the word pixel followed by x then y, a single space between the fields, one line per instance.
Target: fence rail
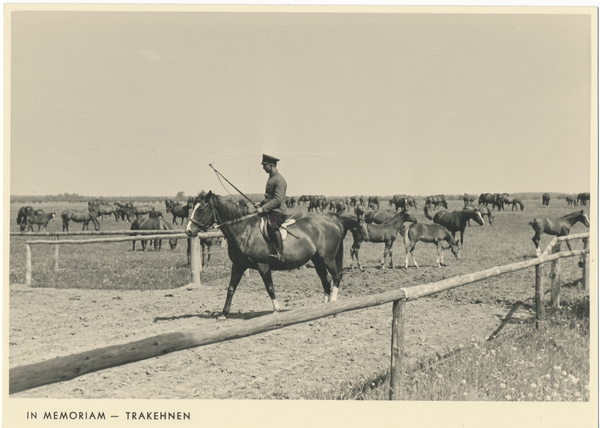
pixel 195 248
pixel 69 367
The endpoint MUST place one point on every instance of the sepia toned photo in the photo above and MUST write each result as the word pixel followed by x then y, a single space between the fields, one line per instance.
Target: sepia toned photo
pixel 266 215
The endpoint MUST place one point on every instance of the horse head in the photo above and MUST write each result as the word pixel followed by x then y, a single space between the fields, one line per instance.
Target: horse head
pixel 201 218
pixel 584 218
pixel 407 216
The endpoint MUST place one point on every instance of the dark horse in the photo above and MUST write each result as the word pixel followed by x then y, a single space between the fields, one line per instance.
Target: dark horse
pixel 179 211
pixel 40 218
pixel 316 237
pixel 22 215
pixel 546 199
pixel 483 210
pixel 82 216
pixel 153 223
pixel 455 221
pixel 381 233
pixel 556 227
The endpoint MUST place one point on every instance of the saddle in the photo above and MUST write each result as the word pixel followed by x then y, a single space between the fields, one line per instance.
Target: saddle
pixel 282 229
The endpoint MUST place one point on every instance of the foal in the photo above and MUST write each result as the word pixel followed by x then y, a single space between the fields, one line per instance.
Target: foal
pixel 431 233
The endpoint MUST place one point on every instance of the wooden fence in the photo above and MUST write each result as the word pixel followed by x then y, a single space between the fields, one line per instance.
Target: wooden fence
pixel 65 368
pixel 195 262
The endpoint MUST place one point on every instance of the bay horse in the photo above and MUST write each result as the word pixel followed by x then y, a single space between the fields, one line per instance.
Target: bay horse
pixel 316 237
pixel 40 218
pixel 583 198
pixel 153 223
pixel 22 215
pixel 79 216
pixel 556 227
pixel 515 201
pixel 468 199
pixel 381 233
pixel 179 211
pixel 431 233
pixel 455 221
pixel 545 199
pixel 436 201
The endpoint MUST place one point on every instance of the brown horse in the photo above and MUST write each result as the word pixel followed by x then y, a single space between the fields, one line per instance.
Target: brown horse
pixel 381 233
pixel 431 233
pixel 546 199
pixel 455 221
pixel 22 215
pixel 556 227
pixel 153 223
pixel 79 216
pixel 179 211
pixel 315 237
pixel 40 218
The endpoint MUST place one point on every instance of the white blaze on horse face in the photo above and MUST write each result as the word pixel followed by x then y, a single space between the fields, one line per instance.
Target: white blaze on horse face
pixel 480 218
pixel 587 220
pixel 188 228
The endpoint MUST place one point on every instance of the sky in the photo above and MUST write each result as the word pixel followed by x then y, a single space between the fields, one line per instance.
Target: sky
pixel 139 103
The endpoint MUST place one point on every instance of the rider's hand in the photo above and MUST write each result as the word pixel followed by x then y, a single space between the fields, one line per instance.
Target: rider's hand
pixel 259 210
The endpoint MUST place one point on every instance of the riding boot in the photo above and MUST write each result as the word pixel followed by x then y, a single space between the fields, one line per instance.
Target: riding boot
pixel 278 241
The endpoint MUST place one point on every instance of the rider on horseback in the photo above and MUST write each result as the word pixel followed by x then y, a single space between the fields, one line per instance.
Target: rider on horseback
pixel 273 206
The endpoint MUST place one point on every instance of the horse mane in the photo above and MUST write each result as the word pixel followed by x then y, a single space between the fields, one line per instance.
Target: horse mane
pixel 230 209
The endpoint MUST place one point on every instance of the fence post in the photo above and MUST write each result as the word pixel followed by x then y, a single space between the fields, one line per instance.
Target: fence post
pixel 540 313
pixel 555 276
pixel 28 264
pixel 586 265
pixel 397 369
pixel 195 259
pixel 56 256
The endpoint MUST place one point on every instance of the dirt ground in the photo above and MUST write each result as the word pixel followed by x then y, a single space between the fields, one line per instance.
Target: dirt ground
pixel 292 362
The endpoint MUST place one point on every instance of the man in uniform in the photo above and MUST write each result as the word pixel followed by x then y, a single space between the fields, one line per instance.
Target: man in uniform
pixel 273 206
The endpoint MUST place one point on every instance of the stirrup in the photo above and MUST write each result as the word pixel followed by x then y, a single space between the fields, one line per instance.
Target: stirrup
pixel 278 256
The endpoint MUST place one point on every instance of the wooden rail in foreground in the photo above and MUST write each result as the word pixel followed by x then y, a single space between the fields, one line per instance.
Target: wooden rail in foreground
pixel 69 367
pixel 195 249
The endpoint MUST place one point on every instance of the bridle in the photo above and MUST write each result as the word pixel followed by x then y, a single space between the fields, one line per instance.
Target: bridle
pixel 217 218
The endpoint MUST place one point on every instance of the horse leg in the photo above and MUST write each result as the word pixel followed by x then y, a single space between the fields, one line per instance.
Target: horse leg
pixel 536 242
pixel 265 273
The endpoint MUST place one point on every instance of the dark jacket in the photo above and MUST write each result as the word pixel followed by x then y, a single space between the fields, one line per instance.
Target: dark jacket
pixel 275 194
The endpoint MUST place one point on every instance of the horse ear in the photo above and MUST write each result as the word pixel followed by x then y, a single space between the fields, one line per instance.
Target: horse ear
pixel 208 196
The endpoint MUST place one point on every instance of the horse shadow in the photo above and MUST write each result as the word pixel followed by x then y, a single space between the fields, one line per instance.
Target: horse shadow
pixel 214 315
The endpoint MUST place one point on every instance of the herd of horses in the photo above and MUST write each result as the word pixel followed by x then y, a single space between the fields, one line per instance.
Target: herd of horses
pixel 318 236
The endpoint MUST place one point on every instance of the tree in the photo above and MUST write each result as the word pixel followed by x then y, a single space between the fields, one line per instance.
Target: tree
pixel 180 195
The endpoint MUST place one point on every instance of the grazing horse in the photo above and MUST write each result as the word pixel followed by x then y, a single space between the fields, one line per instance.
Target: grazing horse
pixel 468 199
pixel 79 216
pixel 22 215
pixel 179 211
pixel 379 217
pixel 515 201
pixel 102 210
pixel 556 227
pixel 317 203
pixel 571 200
pixel 373 202
pixel 40 218
pixel 487 198
pixel 315 237
pixel 483 210
pixel 545 199
pixel 400 202
pixel 381 233
pixel 431 233
pixel 455 221
pixel 153 223
pixel 583 198
pixel 501 199
pixel 435 201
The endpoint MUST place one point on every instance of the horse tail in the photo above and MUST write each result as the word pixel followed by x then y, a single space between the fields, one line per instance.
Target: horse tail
pixel 426 211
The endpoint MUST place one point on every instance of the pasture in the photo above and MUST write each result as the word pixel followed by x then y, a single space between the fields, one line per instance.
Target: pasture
pixel 106 294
